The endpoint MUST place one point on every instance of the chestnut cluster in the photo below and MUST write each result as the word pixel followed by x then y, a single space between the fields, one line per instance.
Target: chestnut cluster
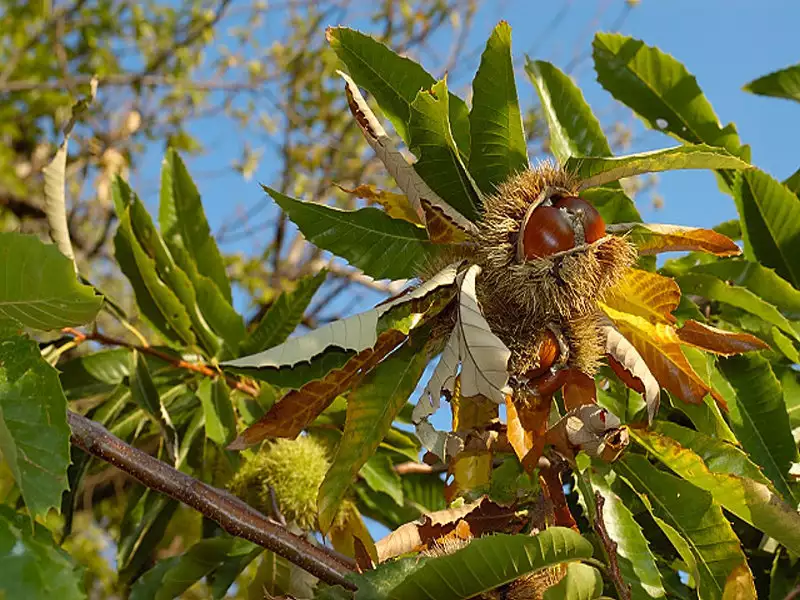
pixel 560 226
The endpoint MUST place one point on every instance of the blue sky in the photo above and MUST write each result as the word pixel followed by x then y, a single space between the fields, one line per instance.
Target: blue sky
pixel 724 43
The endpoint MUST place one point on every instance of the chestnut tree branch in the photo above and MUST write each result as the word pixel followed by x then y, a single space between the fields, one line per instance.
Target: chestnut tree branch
pixel 179 363
pixel 233 515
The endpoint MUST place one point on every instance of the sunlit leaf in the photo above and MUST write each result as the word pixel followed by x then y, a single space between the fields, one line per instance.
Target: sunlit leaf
pixel 396 206
pixel 420 195
pixel 712 288
pixel 660 90
pixel 498 148
pixel 368 61
pixel 581 582
pixel 784 83
pixel 751 499
pixel 761 280
pixel 646 294
pixel 440 164
pixel 597 171
pixel 637 565
pixel 491 561
pixel 371 408
pixel 220 422
pixel 574 130
pixel 38 286
pixel 356 333
pixel 758 416
pixel 379 474
pixel 368 238
pixel 651 238
pixel 660 348
pixel 697 527
pixel 770 213
pixel 55 201
pixel 183 223
pixel 34 435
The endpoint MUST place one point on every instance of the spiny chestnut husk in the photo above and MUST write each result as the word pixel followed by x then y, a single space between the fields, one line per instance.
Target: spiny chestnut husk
pixel 546 262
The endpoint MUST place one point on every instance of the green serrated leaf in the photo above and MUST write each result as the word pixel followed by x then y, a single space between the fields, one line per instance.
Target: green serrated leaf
pixel 713 288
pixel 184 225
pixel 34 435
pixel 140 226
pixel 581 582
pixel 598 171
pixel 784 83
pixel 38 286
pixel 614 205
pixel 695 525
pixel 220 421
pixel 574 130
pixel 283 317
pixel 489 562
pixel 725 472
pixel 793 182
pixel 660 90
pixel 637 565
pixel 770 215
pixel 394 81
pixel 758 416
pixel 368 238
pixel 379 474
pixel 498 148
pixel 761 280
pixel 371 408
pixel 440 164
pixel 33 567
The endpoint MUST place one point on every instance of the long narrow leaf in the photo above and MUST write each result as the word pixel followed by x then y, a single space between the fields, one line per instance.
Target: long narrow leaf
pixel 498 148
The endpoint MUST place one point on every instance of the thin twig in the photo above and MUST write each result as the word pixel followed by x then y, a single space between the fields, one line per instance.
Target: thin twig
pixel 623 589
pixel 233 515
pixel 179 363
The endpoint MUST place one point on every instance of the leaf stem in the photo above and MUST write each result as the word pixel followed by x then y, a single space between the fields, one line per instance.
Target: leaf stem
pixel 233 515
pixel 201 368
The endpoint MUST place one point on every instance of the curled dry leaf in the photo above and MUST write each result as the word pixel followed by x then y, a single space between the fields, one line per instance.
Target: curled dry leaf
pixel 652 238
pixel 474 353
pixel 590 428
pixel 646 294
pixel 357 333
pixel 578 390
pixel 660 347
pixel 520 439
pixel 626 355
pixel 297 409
pixel 719 341
pixel 403 173
pixel 441 228
pixel 481 516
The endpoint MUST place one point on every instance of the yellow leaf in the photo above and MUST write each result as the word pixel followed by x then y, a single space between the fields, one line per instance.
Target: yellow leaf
pixel 740 585
pixel 441 228
pixel 660 347
pixel 395 205
pixel 647 295
pixel 348 527
pixel 651 238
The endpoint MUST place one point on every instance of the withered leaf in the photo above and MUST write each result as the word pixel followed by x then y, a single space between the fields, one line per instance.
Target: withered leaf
pixel 651 238
pixel 297 409
pixel 719 341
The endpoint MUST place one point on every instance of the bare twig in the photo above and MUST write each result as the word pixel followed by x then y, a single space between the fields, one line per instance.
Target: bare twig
pixel 233 515
pixel 623 589
pixel 179 363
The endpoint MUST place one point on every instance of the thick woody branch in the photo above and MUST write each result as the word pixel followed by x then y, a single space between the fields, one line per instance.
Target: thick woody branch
pixel 233 515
